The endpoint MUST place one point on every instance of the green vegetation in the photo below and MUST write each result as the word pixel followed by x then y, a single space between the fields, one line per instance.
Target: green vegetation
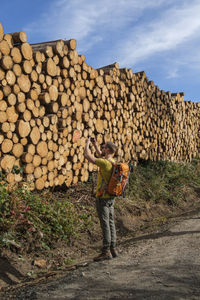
pixel 39 220
pixel 164 182
pixel 36 221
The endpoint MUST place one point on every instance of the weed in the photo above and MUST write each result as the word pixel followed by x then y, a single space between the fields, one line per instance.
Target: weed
pixel 37 217
pixel 69 261
pixel 163 181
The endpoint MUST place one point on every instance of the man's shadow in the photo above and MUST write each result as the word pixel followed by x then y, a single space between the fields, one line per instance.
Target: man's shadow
pixel 7 271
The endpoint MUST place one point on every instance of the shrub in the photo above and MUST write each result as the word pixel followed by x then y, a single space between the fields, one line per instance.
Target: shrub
pixel 163 181
pixel 40 217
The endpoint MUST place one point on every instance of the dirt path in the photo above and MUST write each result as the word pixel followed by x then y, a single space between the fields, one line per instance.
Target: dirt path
pixel 156 266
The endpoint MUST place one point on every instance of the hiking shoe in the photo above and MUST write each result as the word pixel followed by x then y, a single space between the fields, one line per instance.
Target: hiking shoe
pixel 114 252
pixel 105 254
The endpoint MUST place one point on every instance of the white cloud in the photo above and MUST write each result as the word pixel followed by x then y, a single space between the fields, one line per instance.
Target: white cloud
pixel 87 19
pixel 129 31
pixel 173 28
pixel 173 72
pixel 158 34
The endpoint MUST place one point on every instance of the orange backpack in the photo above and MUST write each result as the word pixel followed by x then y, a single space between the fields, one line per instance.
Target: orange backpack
pixel 118 180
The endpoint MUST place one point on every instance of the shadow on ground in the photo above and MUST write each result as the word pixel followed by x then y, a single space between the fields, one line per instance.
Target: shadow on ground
pixel 9 274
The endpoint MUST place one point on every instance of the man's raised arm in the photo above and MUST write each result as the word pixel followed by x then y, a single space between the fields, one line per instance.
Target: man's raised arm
pixel 88 154
pixel 98 151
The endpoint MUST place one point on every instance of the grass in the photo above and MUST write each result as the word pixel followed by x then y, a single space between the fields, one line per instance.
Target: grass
pixel 164 181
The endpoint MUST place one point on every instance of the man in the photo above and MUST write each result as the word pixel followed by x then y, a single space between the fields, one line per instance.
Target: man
pixel 104 202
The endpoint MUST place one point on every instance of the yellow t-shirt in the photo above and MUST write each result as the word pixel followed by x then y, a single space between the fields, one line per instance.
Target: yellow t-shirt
pixel 106 172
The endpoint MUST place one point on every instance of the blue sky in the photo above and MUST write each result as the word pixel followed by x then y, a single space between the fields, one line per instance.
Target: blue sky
pixel 159 37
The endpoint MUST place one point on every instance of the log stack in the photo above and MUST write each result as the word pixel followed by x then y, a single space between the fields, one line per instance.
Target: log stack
pixel 51 101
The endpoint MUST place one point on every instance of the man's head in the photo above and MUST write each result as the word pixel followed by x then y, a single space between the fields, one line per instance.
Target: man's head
pixel 109 148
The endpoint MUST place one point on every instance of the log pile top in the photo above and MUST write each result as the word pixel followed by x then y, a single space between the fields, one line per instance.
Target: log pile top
pixel 51 101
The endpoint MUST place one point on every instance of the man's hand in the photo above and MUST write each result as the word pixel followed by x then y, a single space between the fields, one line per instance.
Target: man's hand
pixel 87 152
pixel 88 141
pixel 93 141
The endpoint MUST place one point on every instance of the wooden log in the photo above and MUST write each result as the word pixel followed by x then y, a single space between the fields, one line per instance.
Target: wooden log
pixel 64 63
pixel 6 89
pixel 53 92
pixel 21 107
pixel 56 59
pixel 37 55
pixel 16 55
pixel 45 48
pixel 19 37
pixel 29 168
pixel 99 125
pixel 42 148
pixel 23 128
pixel 44 98
pixel 31 149
pixel 5 127
pixel 33 94
pixel 24 83
pixel 21 97
pixel 57 47
pixel 35 135
pixel 6 62
pixel 12 115
pixel 3 117
pixel 3 105
pixel 17 150
pixel 108 67
pixel 10 178
pixel 2 74
pixel 50 67
pixel 10 77
pixel 35 112
pixel 70 43
pixel 27 51
pixel 37 160
pixel 1 95
pixel 1 32
pixel 24 141
pixel 7 37
pixel 6 146
pixel 52 107
pixel 46 121
pixel 63 99
pixel 7 162
pixel 17 70
pixel 4 47
pixel 69 178
pixel 27 67
pixel 37 172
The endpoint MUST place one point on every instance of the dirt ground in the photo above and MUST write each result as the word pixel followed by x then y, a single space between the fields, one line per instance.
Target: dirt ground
pixel 162 264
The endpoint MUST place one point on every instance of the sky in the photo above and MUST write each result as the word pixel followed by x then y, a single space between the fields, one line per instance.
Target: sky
pixel 159 37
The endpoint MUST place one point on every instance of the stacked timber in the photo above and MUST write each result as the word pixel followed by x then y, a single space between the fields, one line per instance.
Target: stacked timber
pixel 51 101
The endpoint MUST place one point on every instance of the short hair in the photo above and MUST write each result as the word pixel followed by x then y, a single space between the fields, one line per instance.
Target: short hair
pixel 111 146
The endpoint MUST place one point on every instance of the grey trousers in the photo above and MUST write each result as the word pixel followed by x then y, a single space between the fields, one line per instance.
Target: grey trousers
pixel 105 210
